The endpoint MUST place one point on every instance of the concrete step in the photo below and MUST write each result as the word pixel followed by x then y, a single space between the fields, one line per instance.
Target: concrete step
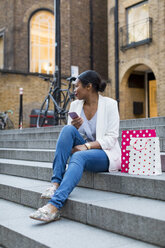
pixel 136 217
pixel 130 123
pixel 140 122
pixel 143 122
pixel 47 143
pixel 43 155
pixel 32 130
pixel 39 135
pixel 29 144
pixel 53 132
pixel 144 186
pixel 23 232
pixel 28 169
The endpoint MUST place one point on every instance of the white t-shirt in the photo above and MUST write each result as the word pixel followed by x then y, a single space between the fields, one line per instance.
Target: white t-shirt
pixel 88 128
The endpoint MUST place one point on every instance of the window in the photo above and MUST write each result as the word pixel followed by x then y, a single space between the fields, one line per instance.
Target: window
pixel 137 22
pixel 42 42
pixel 1 51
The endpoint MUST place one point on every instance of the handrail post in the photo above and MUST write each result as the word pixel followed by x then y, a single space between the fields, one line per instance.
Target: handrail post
pixel 21 109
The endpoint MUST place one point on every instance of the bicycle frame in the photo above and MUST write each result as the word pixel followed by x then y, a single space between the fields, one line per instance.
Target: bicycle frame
pixel 60 107
pixel 59 110
pixel 69 96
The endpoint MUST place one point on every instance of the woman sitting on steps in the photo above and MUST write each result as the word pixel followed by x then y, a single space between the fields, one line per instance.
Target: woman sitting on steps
pixel 89 140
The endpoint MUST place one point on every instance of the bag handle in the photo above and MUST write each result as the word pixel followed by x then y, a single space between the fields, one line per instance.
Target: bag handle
pixel 141 148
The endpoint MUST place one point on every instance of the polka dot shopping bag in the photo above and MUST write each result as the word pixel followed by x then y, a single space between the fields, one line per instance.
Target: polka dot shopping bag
pixel 144 156
pixel 126 137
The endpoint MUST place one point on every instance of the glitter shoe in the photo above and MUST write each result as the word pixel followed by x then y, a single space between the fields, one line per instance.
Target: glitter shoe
pixel 49 192
pixel 44 214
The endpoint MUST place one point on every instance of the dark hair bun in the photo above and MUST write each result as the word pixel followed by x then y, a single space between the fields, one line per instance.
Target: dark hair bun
pixel 102 86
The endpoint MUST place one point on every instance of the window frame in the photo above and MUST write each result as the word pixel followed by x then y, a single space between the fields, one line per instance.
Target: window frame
pixel 33 13
pixel 133 6
pixel 143 41
pixel 2 34
pixel 127 24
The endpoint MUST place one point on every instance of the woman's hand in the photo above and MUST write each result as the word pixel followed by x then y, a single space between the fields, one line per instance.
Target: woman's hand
pixel 77 122
pixel 79 148
pixel 93 145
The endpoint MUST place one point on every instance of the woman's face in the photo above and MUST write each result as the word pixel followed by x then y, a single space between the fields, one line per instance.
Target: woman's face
pixel 80 91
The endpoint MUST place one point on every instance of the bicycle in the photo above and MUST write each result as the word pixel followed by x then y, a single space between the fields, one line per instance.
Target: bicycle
pixel 5 121
pixel 61 99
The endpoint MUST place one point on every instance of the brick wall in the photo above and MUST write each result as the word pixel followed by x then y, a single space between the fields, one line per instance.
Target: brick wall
pixel 152 56
pixel 35 90
pixel 100 37
pixel 75 48
pixel 80 43
pixel 75 33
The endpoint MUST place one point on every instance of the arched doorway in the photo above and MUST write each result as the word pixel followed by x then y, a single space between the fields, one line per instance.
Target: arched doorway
pixel 138 93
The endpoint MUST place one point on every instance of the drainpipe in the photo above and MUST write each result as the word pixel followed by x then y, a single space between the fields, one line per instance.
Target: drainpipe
pixel 116 52
pixel 57 42
pixel 57 73
pixel 146 94
pixel 91 34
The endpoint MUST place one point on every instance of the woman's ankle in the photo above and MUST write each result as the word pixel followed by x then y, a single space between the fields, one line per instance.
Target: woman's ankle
pixel 52 208
pixel 56 185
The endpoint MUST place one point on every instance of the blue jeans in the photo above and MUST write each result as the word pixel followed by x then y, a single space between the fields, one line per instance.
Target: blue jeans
pixel 94 160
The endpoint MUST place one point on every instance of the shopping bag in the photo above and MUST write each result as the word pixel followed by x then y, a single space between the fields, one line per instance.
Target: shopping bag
pixel 126 136
pixel 144 156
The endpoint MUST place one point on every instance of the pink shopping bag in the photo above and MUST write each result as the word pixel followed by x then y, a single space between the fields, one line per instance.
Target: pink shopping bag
pixel 126 136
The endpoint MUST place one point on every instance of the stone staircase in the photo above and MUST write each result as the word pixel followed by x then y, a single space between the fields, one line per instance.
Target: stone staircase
pixel 106 209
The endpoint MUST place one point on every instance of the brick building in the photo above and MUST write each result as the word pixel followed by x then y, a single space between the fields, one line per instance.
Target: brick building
pixel 141 26
pixel 26 47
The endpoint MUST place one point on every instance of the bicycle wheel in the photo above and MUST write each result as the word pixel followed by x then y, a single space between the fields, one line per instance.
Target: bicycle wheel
pixel 64 114
pixel 60 98
pixel 43 113
pixel 9 124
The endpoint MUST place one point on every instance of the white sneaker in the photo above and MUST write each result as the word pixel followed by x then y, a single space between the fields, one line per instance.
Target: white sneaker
pixel 44 214
pixel 49 192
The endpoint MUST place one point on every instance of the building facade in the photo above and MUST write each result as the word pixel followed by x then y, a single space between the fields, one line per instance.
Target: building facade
pixel 27 47
pixel 141 62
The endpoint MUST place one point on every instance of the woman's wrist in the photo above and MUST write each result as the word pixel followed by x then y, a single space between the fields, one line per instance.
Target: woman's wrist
pixel 88 146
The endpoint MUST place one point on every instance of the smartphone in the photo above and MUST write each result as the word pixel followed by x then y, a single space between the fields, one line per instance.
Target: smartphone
pixel 73 115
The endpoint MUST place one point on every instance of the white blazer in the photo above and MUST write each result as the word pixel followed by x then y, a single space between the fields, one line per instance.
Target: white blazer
pixel 107 128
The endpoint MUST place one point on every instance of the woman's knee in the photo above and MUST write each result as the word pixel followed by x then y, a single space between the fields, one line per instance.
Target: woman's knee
pixel 77 159
pixel 68 128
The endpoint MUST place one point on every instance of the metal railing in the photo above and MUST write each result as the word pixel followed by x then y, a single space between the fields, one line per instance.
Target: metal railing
pixel 136 34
